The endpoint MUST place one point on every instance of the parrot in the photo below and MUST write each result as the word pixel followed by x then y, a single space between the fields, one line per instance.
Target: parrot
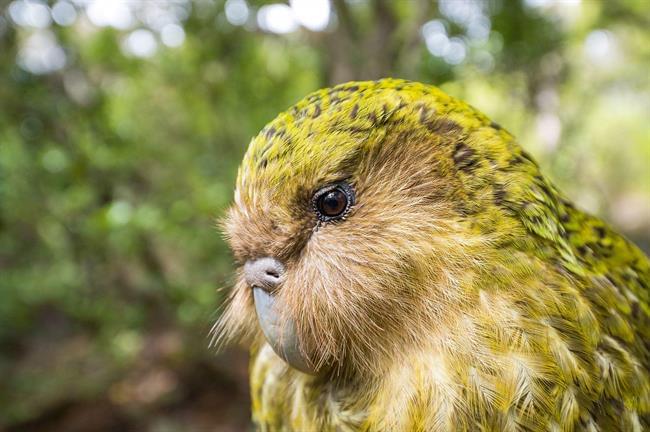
pixel 403 265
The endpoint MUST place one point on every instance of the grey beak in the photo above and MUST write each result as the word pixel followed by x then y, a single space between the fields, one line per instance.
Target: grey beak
pixel 280 335
pixel 265 276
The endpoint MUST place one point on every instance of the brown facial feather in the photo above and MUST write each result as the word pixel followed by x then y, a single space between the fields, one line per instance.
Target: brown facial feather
pixel 350 284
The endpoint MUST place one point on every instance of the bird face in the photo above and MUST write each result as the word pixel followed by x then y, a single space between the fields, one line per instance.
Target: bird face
pixel 348 229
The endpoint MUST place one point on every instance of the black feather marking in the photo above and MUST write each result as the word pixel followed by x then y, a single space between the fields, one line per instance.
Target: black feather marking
pixel 442 126
pixel 499 195
pixel 464 157
pixel 355 110
pixel 495 125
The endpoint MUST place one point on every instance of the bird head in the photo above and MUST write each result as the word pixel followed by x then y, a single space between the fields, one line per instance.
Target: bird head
pixel 362 217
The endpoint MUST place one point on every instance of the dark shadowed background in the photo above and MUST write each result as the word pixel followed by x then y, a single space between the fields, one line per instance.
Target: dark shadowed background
pixel 121 127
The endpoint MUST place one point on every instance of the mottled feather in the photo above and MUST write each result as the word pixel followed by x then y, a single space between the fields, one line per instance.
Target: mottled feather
pixel 463 292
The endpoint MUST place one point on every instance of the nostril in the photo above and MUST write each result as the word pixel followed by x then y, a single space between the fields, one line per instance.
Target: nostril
pixel 265 273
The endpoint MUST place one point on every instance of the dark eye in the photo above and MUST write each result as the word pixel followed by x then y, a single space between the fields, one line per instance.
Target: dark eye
pixel 333 202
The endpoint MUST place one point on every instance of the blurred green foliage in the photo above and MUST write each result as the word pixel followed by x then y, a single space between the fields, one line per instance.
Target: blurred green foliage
pixel 116 163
